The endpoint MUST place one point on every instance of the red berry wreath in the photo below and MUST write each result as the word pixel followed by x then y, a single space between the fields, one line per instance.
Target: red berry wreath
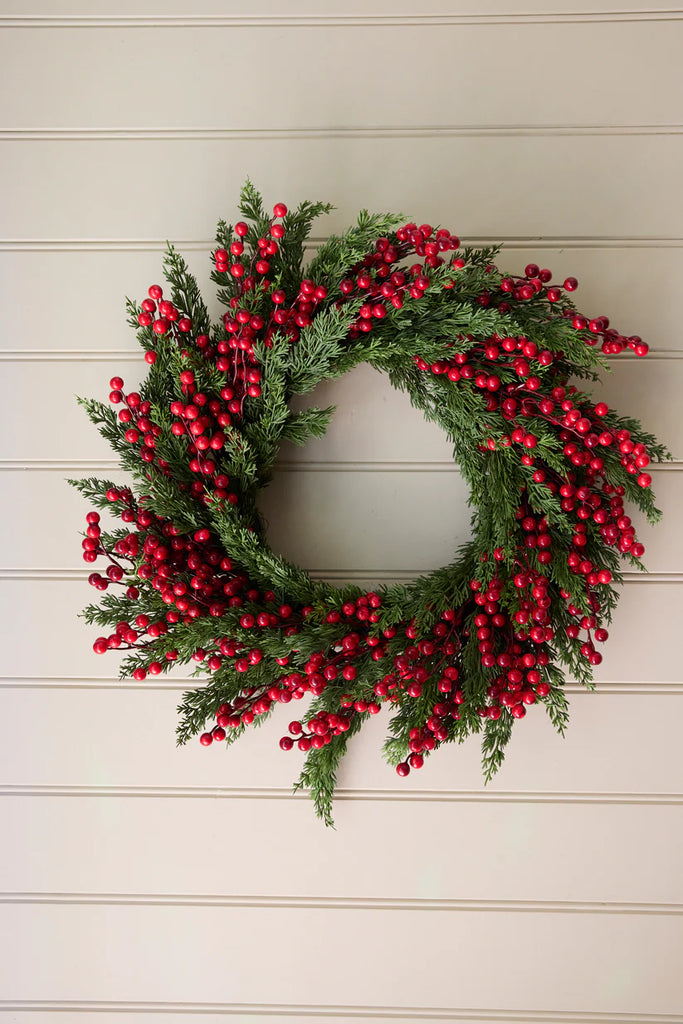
pixel 487 355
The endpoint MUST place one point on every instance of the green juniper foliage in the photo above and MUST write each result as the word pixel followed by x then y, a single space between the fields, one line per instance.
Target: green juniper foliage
pixel 488 356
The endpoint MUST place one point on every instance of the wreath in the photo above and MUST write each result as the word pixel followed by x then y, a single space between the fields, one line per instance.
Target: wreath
pixel 491 358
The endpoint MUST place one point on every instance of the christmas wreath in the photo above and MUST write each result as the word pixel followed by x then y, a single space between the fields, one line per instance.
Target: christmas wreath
pixel 489 356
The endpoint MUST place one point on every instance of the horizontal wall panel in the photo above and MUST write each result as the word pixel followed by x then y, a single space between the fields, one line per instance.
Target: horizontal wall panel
pixel 32 491
pixel 454 180
pixel 88 288
pixel 640 645
pixel 405 518
pixel 110 738
pixel 159 953
pixel 372 422
pixel 393 517
pixel 303 510
pixel 201 96
pixel 635 851
pixel 373 419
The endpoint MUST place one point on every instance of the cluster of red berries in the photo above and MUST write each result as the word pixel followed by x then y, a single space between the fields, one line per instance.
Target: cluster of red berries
pixel 416 662
pixel 526 385
pixel 135 416
pixel 536 282
pixel 268 247
pixel 190 573
pixel 242 325
pixel 380 280
pixel 162 316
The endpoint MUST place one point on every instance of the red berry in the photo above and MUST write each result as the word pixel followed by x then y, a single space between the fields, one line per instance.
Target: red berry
pixel 279 210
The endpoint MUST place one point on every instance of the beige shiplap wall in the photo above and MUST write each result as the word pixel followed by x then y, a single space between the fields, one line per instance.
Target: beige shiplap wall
pixel 142 883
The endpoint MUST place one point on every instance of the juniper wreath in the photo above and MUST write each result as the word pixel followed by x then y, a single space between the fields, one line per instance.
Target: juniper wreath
pixel 496 359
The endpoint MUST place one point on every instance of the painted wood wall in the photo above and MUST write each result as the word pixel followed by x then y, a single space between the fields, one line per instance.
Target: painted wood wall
pixel 143 883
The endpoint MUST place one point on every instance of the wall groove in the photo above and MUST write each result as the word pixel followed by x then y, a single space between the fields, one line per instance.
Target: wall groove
pixel 133 355
pixel 178 684
pixel 402 904
pixel 350 132
pixel 498 1015
pixel 205 245
pixel 380 575
pixel 369 20
pixel 346 794
pixel 286 466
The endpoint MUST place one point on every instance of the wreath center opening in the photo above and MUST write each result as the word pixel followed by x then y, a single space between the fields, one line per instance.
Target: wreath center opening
pixel 377 499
